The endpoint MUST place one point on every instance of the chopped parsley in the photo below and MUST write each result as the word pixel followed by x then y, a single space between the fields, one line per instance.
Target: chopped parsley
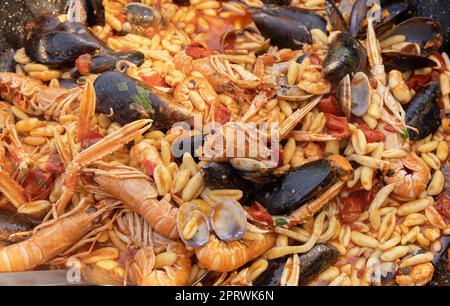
pixel 122 86
pixel 280 221
pixel 404 134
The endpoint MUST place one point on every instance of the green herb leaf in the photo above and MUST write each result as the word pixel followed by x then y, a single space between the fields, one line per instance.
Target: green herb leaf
pixel 404 134
pixel 123 86
pixel 280 221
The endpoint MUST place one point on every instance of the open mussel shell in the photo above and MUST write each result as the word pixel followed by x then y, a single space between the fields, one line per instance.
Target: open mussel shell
pixel 345 56
pixel 423 112
pixel 296 187
pixel 254 170
pixel 405 61
pixel 282 31
pixel 58 48
pixel 130 100
pixel 309 19
pixel 337 21
pixel 188 213
pixel 316 260
pixel 228 219
pixel 425 32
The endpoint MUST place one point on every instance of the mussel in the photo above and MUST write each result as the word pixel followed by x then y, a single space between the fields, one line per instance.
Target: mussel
pixel 425 32
pixel 191 213
pixel 254 170
pixel 89 12
pixel 423 112
pixel 320 257
pixel 345 56
pixel 405 61
pixel 283 31
pixel 56 48
pixel 337 21
pixel 11 223
pixel 296 187
pixel 127 100
pixel 309 19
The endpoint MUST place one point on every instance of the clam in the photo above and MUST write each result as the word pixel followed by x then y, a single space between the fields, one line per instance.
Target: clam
pixel 354 95
pixel 228 219
pixel 193 225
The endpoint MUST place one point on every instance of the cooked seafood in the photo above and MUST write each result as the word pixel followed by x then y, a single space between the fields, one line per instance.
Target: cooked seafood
pixel 204 142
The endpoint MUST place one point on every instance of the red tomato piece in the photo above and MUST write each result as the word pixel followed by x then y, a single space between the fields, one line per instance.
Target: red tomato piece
pixel 258 212
pixel 91 139
pixel 442 205
pixel 55 164
pixel 372 135
pixel 197 52
pixel 84 63
pixel 337 125
pixel 221 113
pixel 153 80
pixel 149 167
pixel 417 81
pixel 37 185
pixel 329 105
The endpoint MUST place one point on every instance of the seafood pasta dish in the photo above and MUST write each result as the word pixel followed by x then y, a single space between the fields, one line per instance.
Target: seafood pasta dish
pixel 222 143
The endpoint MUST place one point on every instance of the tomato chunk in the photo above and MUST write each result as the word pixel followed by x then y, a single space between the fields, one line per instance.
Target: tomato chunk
pixel 329 105
pixel 197 52
pixel 356 203
pixel 337 125
pixel 84 63
pixel 38 185
pixel 91 138
pixel 442 205
pixel 221 113
pixel 417 81
pixel 258 212
pixel 55 164
pixel 149 167
pixel 372 135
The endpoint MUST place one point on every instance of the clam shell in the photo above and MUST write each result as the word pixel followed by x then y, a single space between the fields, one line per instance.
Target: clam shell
pixel 228 219
pixel 186 212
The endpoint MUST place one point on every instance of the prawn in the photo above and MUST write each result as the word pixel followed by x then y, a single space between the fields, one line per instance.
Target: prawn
pixel 410 176
pixel 50 241
pixel 223 256
pixel 138 194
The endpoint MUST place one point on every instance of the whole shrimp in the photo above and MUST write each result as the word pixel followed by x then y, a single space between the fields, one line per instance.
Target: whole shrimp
pixel 410 176
pixel 138 193
pixel 52 240
pixel 222 256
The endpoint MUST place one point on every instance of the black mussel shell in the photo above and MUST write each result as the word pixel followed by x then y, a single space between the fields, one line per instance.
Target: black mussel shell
pixel 277 2
pixel 345 56
pixel 425 32
pixel 423 112
pixel 441 276
pixel 336 19
pixel 438 10
pixel 272 275
pixel 7 62
pixel 135 57
pixel 131 100
pixel 358 14
pixel 405 61
pixel 82 30
pixel 283 31
pixel 391 13
pixel 320 257
pixel 223 176
pixel 70 83
pixel 316 260
pixel 310 20
pixel 58 48
pixel 296 187
pixel 98 64
pixel 41 24
pixel 13 223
